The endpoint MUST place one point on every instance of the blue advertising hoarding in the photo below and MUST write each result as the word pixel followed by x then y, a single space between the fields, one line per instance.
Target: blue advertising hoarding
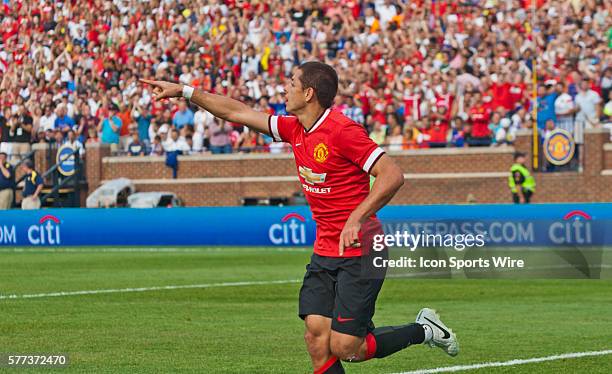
pixel 286 226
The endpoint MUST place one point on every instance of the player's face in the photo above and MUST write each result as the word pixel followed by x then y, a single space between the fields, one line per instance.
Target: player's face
pixel 294 93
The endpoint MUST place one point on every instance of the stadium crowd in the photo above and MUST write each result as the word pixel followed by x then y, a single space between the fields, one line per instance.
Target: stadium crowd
pixel 416 73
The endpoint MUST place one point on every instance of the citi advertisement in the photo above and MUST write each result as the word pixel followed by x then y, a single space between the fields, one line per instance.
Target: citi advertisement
pixel 503 225
pixel 575 228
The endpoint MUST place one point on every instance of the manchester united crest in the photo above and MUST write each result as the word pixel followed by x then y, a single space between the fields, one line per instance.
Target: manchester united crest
pixel 559 147
pixel 321 153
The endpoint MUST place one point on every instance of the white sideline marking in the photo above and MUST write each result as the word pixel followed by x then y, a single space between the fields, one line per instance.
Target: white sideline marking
pixel 449 369
pixel 146 289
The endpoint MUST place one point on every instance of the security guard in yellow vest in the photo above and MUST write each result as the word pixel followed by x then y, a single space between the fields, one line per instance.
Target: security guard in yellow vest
pixel 520 177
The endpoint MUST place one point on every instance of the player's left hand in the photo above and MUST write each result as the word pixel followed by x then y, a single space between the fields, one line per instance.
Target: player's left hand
pixel 349 237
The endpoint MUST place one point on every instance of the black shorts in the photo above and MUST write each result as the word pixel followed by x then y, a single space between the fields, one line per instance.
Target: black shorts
pixel 335 288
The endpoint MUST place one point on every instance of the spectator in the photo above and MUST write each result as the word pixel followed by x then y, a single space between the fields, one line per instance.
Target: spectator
pixel 588 103
pixel 456 137
pixel 156 147
pixel 247 142
pixel 546 104
pixel 379 133
pixel 58 138
pixel 183 117
pixel 411 137
pixel 73 141
pixel 7 183
pixel 163 133
pixel 201 120
pixel 47 121
pixel 468 138
pixel 503 133
pixel 63 121
pixel 564 109
pixel 110 127
pixel 136 147
pixel 85 120
pixel 92 137
pixel 174 143
pixel 22 133
pixel 395 140
pixel 33 185
pixel 143 119
pixel 11 145
pixel 153 129
pixel 189 143
pixel 125 115
pixel 219 135
pixel 278 104
pixel 6 139
pixel 353 111
pixel 496 129
pixel 479 115
pixel 438 130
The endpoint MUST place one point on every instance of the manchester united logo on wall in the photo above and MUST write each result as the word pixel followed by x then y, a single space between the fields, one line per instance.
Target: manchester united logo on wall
pixel 559 147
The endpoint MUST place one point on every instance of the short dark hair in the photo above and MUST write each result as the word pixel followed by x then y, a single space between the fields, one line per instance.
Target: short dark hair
pixel 323 79
pixel 519 154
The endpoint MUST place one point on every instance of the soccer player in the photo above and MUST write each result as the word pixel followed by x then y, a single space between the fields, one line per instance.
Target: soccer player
pixel 334 158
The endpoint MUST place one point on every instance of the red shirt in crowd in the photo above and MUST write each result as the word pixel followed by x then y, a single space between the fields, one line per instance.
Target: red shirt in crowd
pixel 437 132
pixel 479 116
pixel 516 93
pixel 501 95
pixel 412 104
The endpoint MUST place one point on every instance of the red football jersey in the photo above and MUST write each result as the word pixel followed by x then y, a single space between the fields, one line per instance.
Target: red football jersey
pixel 333 160
pixel 480 121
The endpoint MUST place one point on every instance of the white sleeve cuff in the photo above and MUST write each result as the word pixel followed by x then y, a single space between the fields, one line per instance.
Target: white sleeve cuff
pixel 374 156
pixel 273 127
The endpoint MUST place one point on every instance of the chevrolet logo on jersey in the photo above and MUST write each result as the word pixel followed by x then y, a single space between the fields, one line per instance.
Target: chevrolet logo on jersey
pixel 310 177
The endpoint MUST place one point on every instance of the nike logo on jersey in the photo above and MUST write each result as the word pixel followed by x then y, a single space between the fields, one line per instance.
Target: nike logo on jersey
pixel 298 144
pixel 446 334
pixel 342 320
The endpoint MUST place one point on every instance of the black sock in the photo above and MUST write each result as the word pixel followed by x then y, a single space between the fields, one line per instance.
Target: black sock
pixel 390 339
pixel 332 366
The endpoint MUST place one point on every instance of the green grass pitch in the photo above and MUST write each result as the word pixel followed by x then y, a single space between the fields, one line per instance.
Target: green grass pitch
pixel 255 329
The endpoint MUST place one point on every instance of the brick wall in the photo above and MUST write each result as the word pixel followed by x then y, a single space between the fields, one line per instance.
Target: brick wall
pixel 433 176
pixel 608 156
pixel 199 166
